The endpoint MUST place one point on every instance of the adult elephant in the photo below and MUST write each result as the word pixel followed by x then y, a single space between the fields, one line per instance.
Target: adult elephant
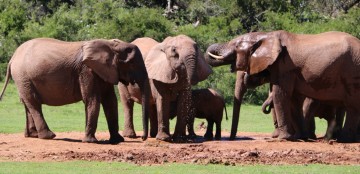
pixel 130 93
pixel 173 66
pixel 322 66
pixel 52 72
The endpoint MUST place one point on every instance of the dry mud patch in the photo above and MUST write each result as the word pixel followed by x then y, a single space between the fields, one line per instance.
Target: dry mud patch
pixel 249 148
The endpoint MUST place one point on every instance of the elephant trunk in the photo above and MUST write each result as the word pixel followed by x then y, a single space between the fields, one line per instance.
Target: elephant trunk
pixel 240 90
pixel 190 65
pixel 216 49
pixel 145 99
pixel 267 105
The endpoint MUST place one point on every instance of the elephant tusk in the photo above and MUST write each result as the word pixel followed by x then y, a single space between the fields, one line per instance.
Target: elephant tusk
pixel 216 56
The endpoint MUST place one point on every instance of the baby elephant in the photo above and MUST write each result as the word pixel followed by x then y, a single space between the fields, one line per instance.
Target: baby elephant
pixel 208 104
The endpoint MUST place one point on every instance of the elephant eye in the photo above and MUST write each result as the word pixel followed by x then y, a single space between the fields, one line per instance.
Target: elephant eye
pixel 173 52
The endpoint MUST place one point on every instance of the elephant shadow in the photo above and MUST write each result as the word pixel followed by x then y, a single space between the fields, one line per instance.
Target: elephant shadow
pixel 98 142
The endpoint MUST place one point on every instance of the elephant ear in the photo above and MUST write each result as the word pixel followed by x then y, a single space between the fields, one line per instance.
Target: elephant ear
pixel 98 56
pixel 266 52
pixel 158 66
pixel 203 69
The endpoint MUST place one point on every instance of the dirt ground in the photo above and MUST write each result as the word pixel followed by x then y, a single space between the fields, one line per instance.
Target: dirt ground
pixel 249 148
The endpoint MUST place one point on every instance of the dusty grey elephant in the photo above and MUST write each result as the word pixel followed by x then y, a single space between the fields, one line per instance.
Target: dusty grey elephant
pixel 52 72
pixel 173 66
pixel 207 104
pixel 323 66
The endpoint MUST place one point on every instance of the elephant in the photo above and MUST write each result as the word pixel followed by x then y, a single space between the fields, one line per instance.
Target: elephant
pixel 130 93
pixel 173 66
pixel 310 109
pixel 321 66
pixel 243 82
pixel 333 115
pixel 207 104
pixel 53 72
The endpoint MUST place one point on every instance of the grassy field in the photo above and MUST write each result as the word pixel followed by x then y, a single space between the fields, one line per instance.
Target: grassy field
pixel 72 118
pixel 80 167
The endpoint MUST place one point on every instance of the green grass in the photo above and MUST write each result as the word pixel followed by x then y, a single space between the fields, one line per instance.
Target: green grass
pixel 72 117
pixel 80 167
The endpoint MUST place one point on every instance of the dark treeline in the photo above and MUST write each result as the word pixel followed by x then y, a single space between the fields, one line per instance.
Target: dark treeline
pixel 206 21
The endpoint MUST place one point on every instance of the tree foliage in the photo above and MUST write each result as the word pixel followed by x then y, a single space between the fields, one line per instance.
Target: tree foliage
pixel 206 21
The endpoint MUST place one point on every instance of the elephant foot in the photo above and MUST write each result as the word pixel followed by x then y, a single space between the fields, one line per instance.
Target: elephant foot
pixel 46 134
pixel 163 136
pixel 89 139
pixel 209 136
pixel 180 139
pixel 346 138
pixel 285 135
pixel 153 133
pixel 31 134
pixel 217 137
pixel 192 136
pixel 313 136
pixel 116 139
pixel 275 133
pixel 129 133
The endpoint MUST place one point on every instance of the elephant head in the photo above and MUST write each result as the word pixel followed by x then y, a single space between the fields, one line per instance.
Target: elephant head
pixel 173 58
pixel 251 53
pixel 114 61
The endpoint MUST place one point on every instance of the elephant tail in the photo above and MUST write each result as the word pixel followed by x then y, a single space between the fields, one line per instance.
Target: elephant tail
pixel 8 74
pixel 226 115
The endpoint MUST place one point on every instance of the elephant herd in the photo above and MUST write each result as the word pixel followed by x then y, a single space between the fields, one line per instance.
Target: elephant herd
pixel 309 75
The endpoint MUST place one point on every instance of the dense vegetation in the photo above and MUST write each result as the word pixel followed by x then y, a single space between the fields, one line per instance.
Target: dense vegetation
pixel 206 21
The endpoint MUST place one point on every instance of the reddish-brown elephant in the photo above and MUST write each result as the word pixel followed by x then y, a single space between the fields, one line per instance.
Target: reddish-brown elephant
pixel 322 66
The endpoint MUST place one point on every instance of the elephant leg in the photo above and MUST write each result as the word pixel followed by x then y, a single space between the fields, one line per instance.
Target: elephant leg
pixel 348 133
pixel 183 110
pixel 153 121
pixel 276 131
pixel 218 130
pixel 209 130
pixel 110 107
pixel 340 115
pixel 309 108
pixel 30 129
pixel 239 92
pixel 34 113
pixel 42 128
pixel 190 124
pixel 331 124
pixel 128 106
pixel 163 111
pixel 92 114
pixel 297 117
pixel 282 105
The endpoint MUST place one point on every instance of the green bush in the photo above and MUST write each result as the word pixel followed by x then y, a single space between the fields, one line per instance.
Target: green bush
pixel 3 67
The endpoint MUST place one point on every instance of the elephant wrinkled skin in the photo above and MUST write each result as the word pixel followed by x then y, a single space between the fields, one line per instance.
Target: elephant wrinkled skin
pixel 322 66
pixel 52 72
